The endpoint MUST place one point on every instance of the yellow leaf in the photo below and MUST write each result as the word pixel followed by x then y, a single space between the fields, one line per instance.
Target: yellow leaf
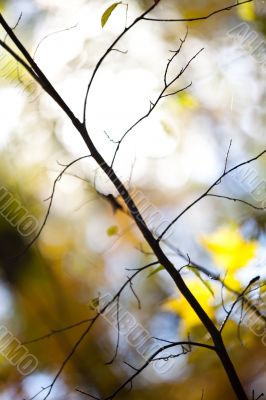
pixel 112 230
pixel 204 281
pixel 180 306
pixel 187 101
pixel 247 11
pixel 231 281
pixel 167 128
pixel 156 270
pixel 229 249
pixel 2 6
pixel 55 242
pixel 106 15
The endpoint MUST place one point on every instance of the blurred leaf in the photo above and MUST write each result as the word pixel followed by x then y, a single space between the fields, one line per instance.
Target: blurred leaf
pixel 13 72
pixel 205 282
pixel 94 303
pixel 247 11
pixel 112 230
pixel 180 306
pixel 167 128
pixel 160 268
pixel 231 281
pixel 228 247
pixel 2 5
pixel 106 15
pixel 187 101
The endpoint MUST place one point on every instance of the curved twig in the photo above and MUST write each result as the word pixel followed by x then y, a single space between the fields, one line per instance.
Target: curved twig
pixel 51 34
pixel 50 198
pixel 147 363
pixel 236 200
pixel 228 8
pixel 110 48
pixel 216 182
pixel 163 93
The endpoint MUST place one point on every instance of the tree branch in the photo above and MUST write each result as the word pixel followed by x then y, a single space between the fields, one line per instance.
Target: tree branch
pixel 147 363
pixel 147 234
pixel 110 48
pixel 193 19
pixel 206 193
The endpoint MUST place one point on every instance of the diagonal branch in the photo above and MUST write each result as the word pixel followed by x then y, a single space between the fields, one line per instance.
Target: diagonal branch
pixel 206 193
pixel 20 60
pixel 39 75
pixel 162 258
pixel 163 92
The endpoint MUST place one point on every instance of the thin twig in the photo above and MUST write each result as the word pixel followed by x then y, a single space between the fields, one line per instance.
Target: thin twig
pixel 240 296
pixel 198 18
pixel 216 182
pixel 118 332
pixel 89 327
pixel 107 52
pixel 163 93
pixel 236 200
pixel 51 34
pixel 50 198
pixel 147 363
pixel 56 331
pixel 227 155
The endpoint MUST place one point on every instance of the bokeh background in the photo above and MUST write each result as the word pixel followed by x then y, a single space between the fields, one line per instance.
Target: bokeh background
pixel 168 160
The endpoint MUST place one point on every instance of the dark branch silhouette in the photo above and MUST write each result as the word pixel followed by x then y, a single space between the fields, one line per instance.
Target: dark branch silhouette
pixel 206 193
pixel 229 8
pixel 151 359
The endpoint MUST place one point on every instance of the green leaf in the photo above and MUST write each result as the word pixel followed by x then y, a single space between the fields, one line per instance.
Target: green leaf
pixel 205 283
pixel 160 268
pixel 94 303
pixel 106 15
pixel 112 230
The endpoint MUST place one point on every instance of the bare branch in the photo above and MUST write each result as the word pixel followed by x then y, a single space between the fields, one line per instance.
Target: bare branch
pixel 118 331
pixel 88 328
pixel 51 34
pixel 216 182
pixel 147 363
pixel 20 60
pixel 177 91
pixel 239 297
pixel 107 52
pixel 135 295
pixel 38 75
pixel 50 198
pixel 217 277
pixel 236 200
pixel 133 209
pixel 162 94
pixel 227 155
pixel 257 398
pixel 192 19
pixel 15 26
pixel 56 331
